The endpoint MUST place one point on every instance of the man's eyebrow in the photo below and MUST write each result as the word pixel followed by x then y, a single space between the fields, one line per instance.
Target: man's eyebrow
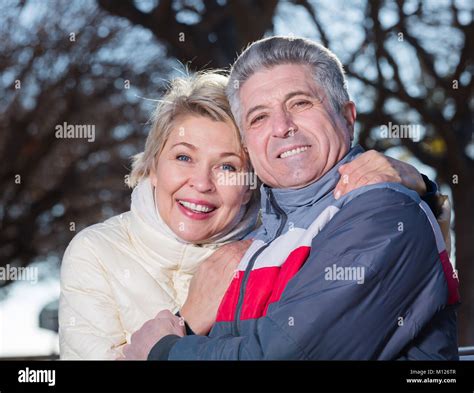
pixel 287 97
pixel 300 93
pixel 229 154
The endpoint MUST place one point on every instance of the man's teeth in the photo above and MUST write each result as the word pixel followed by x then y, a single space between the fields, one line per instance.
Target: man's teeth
pixel 293 152
pixel 196 208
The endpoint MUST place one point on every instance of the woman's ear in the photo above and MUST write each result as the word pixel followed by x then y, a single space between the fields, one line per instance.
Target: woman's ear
pixel 153 176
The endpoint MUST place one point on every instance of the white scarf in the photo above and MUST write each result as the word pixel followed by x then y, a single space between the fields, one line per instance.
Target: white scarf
pixel 144 204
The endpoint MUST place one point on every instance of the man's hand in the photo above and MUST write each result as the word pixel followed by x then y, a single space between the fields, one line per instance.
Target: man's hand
pixel 209 285
pixel 152 331
pixel 373 167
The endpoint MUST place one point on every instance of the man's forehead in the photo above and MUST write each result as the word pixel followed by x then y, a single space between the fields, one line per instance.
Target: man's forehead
pixel 268 86
pixel 285 72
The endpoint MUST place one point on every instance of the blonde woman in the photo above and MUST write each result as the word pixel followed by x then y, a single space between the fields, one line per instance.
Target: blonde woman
pixel 118 274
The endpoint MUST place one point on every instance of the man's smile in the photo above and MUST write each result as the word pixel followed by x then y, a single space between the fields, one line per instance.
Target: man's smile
pixel 292 151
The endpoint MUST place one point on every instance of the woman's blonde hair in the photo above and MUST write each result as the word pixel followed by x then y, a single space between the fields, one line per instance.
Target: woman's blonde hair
pixel 201 94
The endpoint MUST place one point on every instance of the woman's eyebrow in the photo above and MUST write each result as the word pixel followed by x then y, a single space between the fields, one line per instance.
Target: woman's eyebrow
pixel 189 145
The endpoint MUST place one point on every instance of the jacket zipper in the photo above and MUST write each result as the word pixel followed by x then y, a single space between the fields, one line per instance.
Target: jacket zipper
pixel 281 215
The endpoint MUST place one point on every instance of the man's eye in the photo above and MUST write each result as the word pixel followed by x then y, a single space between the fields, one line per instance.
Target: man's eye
pixel 302 104
pixel 183 157
pixel 257 119
pixel 228 167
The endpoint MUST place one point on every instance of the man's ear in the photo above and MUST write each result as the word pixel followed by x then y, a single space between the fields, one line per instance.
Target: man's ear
pixel 349 114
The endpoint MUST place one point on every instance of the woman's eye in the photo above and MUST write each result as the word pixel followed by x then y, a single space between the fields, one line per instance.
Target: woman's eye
pixel 183 157
pixel 228 167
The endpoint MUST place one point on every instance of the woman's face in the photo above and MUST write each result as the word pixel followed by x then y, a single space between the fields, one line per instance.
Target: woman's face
pixel 195 195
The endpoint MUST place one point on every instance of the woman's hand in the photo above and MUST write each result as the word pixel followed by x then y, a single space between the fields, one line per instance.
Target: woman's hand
pixel 373 167
pixel 209 285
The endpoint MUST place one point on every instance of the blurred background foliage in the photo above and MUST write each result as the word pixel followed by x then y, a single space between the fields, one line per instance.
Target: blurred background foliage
pixel 105 62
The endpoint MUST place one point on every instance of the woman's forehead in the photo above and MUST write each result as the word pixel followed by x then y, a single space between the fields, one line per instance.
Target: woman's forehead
pixel 206 134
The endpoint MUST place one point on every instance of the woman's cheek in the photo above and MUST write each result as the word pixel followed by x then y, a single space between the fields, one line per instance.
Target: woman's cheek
pixel 175 177
pixel 232 198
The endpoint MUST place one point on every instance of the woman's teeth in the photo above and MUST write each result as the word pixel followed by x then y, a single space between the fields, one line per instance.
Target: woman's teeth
pixel 196 208
pixel 293 152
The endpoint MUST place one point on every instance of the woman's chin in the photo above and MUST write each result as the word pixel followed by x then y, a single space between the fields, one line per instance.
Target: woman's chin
pixel 193 238
pixel 192 235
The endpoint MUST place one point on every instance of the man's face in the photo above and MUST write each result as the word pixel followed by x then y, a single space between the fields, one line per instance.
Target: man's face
pixel 292 134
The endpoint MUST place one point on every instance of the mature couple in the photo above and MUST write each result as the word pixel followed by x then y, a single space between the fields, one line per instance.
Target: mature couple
pixel 205 269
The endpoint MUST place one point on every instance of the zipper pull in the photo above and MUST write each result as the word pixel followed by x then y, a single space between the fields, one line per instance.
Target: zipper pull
pixel 267 202
pixel 270 203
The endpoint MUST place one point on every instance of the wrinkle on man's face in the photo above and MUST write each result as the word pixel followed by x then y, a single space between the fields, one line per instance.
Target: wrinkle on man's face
pixel 292 134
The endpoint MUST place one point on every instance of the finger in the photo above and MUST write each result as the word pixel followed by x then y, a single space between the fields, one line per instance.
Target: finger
pixel 361 160
pixel 353 168
pixel 377 180
pixel 126 351
pixel 350 176
pixel 374 177
pixel 407 175
pixel 165 314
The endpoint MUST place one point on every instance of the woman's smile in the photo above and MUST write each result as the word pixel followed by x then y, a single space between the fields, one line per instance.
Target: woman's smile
pixel 196 209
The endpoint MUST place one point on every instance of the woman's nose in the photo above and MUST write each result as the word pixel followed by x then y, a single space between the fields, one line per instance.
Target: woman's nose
pixel 201 180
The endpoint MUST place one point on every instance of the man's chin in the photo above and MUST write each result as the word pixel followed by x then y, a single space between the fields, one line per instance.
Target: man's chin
pixel 295 183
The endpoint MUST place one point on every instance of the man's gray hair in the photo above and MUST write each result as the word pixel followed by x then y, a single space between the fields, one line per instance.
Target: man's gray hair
pixel 266 53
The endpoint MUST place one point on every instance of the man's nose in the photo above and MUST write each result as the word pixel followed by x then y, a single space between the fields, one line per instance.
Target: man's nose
pixel 282 123
pixel 201 180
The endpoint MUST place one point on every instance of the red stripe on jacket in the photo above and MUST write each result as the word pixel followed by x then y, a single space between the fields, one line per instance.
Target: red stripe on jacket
pixel 264 286
pixel 451 278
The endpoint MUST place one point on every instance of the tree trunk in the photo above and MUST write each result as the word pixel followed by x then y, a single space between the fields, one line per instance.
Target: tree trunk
pixel 463 200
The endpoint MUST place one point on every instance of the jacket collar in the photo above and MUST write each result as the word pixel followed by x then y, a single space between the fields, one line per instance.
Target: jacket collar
pixel 290 200
pixel 155 239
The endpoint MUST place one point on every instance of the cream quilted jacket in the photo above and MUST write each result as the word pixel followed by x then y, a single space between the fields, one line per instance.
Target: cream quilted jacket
pixel 120 273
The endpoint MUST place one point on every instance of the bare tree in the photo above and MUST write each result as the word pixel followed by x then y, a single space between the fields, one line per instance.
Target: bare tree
pixel 207 34
pixel 79 66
